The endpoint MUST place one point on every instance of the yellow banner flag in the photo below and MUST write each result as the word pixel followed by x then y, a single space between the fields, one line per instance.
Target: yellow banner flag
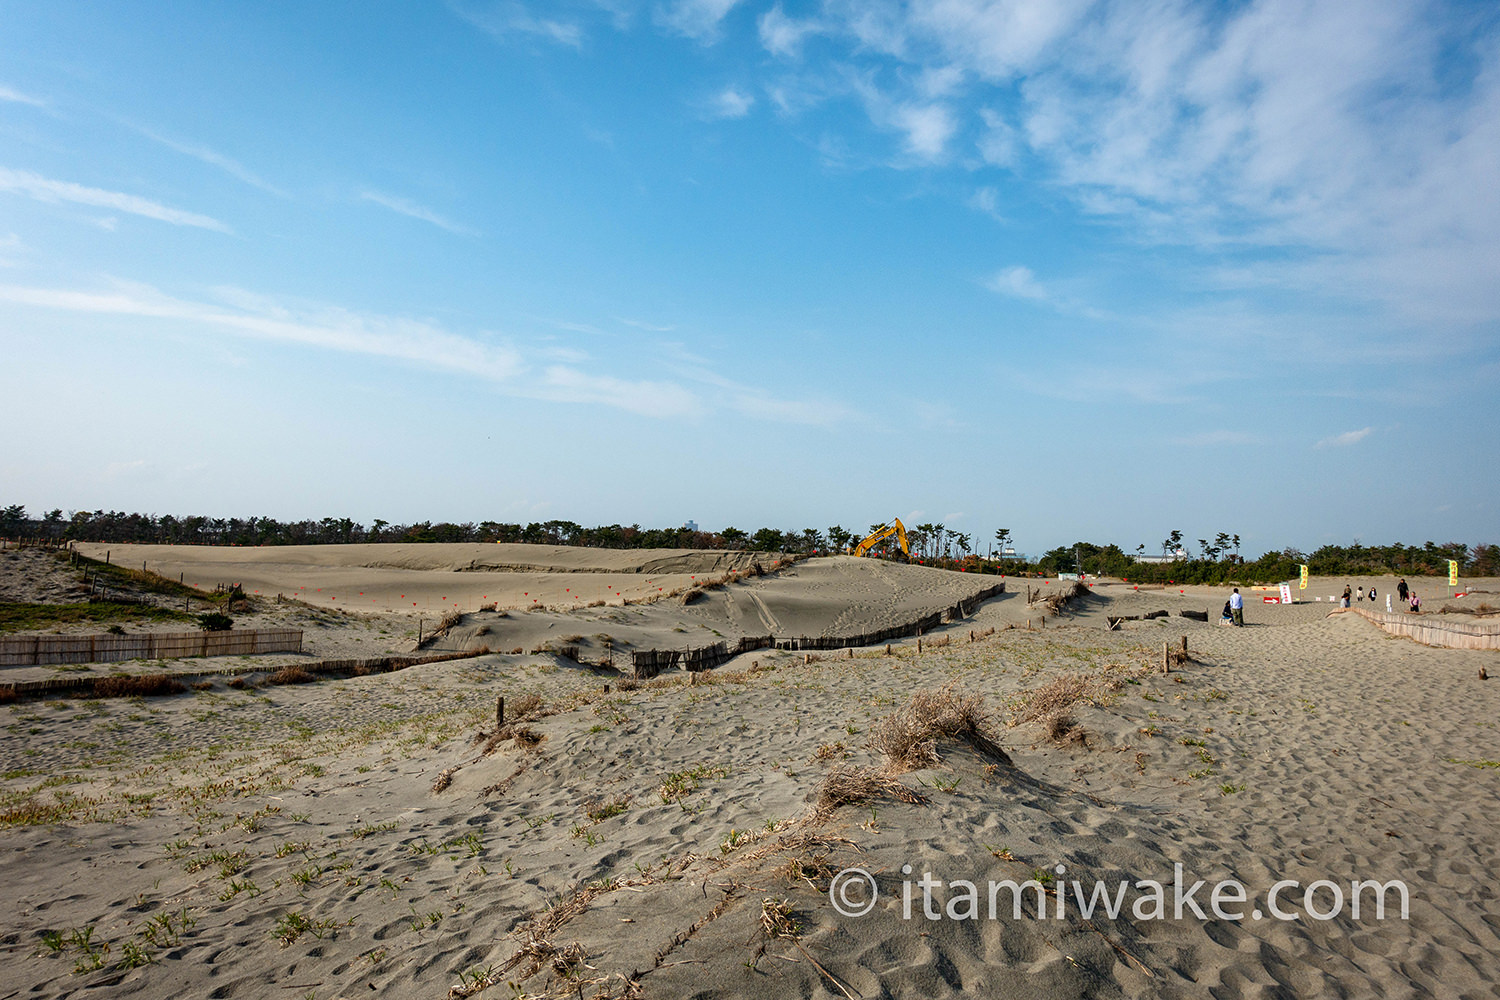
pixel 1453 572
pixel 1302 584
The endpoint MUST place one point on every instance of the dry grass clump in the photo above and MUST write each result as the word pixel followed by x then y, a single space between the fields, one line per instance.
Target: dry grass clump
pixel 240 684
pixel 132 686
pixel 492 606
pixel 1064 730
pixel 203 685
pixel 850 785
pixel 830 751
pixel 8 693
pixel 291 675
pixel 908 737
pixel 526 708
pixel 1060 694
pixel 443 780
pixel 524 737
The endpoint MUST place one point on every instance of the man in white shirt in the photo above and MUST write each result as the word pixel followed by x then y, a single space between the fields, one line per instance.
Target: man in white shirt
pixel 1237 608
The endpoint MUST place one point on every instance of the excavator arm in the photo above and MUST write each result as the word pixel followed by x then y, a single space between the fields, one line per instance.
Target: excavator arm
pixel 881 534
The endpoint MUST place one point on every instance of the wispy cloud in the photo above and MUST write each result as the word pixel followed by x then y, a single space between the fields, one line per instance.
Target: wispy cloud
pixel 1345 439
pixel 11 247
pixel 1018 282
pixel 925 126
pixel 782 35
pixel 731 102
pixel 16 97
pixel 230 166
pixel 697 19
pixel 48 190
pixel 425 344
pixel 1351 147
pixel 643 325
pixel 504 20
pixel 328 328
pixel 413 210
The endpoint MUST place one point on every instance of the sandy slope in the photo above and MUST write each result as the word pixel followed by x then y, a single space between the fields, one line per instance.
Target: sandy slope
pixel 1307 747
pixel 435 577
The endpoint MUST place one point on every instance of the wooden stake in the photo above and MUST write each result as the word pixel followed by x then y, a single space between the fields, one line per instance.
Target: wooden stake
pixel 1184 647
pixel 500 708
pixel 1166 658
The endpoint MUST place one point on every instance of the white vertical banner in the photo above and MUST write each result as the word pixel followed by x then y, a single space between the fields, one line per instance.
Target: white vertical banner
pixel 1286 593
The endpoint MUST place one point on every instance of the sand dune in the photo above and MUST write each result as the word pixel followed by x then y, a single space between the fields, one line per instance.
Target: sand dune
pixel 434 577
pixel 377 837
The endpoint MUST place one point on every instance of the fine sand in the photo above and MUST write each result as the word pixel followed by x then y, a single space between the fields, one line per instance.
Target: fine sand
pixel 377 836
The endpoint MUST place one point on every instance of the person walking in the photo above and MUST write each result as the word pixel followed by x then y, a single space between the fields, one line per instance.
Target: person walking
pixel 1402 591
pixel 1344 601
pixel 1372 595
pixel 1237 608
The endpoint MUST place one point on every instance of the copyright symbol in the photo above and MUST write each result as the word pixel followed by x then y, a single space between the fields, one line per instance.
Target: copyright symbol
pixel 852 892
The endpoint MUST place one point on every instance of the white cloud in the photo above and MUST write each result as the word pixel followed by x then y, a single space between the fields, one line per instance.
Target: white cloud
pixel 1018 282
pixel 1354 147
pixel 927 127
pixel 502 20
pixel 651 399
pixel 782 35
pixel 230 166
pixel 411 209
pixel 999 144
pixel 986 200
pixel 11 247
pixel 250 315
pixel 731 102
pixel 1345 439
pixel 16 97
pixel 47 190
pixel 643 325
pixel 697 19
pixel 425 344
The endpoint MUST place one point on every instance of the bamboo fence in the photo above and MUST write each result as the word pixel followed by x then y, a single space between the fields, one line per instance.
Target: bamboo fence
pixel 1436 631
pixel 39 650
pixel 650 662
pixel 84 687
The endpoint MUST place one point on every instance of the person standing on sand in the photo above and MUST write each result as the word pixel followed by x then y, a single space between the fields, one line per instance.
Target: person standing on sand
pixel 1344 601
pixel 1361 595
pixel 1401 590
pixel 1237 607
pixel 1416 603
pixel 1372 595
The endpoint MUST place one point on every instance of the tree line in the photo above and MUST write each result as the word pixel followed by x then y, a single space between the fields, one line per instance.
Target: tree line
pixel 1216 561
pixel 1213 565
pixel 169 529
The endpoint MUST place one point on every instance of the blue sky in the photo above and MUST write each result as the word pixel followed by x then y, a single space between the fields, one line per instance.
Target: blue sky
pixel 1079 269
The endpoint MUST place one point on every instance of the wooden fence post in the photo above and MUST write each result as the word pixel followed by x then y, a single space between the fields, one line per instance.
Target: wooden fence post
pixel 1166 658
pixel 500 709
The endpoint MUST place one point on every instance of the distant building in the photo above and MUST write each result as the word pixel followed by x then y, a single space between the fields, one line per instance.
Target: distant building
pixel 1179 554
pixel 691 526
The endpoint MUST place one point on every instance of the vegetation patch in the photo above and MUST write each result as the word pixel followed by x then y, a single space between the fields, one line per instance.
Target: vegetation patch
pixel 20 617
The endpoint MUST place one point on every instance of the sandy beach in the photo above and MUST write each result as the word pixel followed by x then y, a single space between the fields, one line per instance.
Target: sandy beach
pixel 383 836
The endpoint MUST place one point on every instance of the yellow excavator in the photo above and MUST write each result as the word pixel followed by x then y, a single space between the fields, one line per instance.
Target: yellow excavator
pixel 881 534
